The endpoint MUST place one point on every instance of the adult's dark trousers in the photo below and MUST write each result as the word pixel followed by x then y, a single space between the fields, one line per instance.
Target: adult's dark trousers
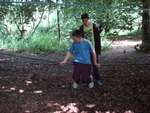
pixel 95 71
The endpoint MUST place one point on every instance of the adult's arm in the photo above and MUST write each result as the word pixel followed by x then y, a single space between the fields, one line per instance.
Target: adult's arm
pixel 97 29
pixel 95 58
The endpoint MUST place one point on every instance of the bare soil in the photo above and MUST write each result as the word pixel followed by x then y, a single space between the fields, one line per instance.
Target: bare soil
pixel 31 83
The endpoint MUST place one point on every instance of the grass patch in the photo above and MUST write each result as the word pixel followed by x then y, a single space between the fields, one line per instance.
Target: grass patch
pixel 41 41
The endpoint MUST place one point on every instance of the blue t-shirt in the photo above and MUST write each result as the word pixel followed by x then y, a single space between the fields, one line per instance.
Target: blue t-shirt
pixel 82 51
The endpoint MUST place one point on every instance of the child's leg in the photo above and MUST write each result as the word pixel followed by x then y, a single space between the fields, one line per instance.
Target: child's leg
pixel 85 72
pixel 76 73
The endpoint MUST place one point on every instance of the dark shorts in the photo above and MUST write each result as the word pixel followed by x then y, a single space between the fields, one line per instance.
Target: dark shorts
pixel 81 73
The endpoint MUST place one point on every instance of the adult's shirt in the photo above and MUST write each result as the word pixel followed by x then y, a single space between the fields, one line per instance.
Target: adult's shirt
pixel 88 33
pixel 97 29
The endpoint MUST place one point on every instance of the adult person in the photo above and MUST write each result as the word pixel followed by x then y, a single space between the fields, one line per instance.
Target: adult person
pixel 91 31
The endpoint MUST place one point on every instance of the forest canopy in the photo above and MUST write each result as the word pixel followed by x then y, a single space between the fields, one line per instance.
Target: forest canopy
pixel 41 25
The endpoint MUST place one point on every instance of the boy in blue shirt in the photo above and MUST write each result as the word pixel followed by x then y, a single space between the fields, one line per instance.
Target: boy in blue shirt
pixel 81 49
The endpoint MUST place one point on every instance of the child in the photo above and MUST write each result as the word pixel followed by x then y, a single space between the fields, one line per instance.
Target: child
pixel 81 49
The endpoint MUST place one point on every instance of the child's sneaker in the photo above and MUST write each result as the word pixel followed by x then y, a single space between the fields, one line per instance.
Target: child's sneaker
pixel 75 85
pixel 91 85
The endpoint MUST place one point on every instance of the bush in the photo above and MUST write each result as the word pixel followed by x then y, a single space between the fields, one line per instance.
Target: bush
pixel 39 42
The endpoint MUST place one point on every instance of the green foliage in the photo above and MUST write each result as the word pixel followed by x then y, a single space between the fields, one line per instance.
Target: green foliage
pixel 40 42
pixel 48 41
pixel 115 16
pixel 3 11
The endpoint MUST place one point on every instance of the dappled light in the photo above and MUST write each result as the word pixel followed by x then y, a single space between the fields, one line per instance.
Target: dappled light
pixel 28 82
pixel 129 111
pixel 21 91
pixel 107 41
pixel 38 91
pixel 12 88
pixel 47 88
pixel 27 111
pixel 4 59
pixel 126 43
pixel 73 108
pixel 90 105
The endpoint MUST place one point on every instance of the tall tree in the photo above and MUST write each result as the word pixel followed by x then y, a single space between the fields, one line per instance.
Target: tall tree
pixel 146 24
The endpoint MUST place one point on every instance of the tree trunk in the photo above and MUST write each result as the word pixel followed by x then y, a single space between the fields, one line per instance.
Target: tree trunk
pixel 58 24
pixel 146 25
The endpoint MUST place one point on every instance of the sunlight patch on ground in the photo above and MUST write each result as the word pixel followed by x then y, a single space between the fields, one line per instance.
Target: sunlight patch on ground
pixel 12 88
pixel 72 108
pixel 38 91
pixel 21 91
pixel 90 105
pixel 129 111
pixel 69 108
pixel 28 82
pixel 27 111
pixel 124 43
pixel 4 59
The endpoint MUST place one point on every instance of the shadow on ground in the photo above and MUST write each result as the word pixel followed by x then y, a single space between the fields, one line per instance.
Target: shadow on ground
pixel 27 87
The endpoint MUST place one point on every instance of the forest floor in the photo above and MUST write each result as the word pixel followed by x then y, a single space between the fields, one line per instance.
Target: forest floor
pixel 31 83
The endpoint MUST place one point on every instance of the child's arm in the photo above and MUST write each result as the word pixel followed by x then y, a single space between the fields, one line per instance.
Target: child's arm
pixel 68 55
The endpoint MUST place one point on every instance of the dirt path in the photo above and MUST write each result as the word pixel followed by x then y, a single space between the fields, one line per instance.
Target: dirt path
pixel 29 84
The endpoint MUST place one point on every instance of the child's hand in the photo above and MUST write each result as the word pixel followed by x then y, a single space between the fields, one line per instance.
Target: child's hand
pixel 63 62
